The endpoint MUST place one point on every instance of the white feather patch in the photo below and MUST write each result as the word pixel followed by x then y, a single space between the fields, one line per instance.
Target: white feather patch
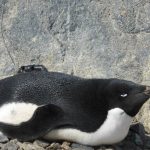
pixel 113 130
pixel 15 113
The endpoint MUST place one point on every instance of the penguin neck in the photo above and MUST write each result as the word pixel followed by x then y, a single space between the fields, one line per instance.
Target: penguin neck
pixel 94 91
pixel 94 87
pixel 101 84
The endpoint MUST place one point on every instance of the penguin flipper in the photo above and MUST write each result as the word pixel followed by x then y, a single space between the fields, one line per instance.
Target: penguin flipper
pixel 44 119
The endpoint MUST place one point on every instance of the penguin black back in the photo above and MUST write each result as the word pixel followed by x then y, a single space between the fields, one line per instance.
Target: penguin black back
pixel 66 91
pixel 67 102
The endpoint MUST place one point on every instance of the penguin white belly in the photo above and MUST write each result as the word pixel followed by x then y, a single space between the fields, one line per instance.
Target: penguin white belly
pixel 113 130
pixel 15 113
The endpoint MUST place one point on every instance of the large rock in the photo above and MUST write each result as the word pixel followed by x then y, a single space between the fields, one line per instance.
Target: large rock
pixel 92 38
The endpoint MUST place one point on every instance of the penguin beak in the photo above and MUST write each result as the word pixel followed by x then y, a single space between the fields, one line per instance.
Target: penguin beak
pixel 147 91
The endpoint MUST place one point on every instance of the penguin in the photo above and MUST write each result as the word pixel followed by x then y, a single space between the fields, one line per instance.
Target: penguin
pixel 35 103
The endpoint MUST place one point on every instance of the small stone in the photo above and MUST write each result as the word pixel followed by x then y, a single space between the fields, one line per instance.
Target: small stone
pixel 1 146
pixel 3 138
pixel 101 148
pixel 138 140
pixel 14 141
pixel 147 142
pixel 75 145
pixel 10 146
pixel 66 146
pixel 78 149
pixel 129 145
pixel 66 143
pixel 116 148
pixel 54 146
pixel 138 128
pixel 105 148
pixel 41 143
pixel 28 146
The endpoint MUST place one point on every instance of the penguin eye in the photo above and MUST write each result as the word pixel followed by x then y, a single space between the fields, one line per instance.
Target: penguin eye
pixel 124 95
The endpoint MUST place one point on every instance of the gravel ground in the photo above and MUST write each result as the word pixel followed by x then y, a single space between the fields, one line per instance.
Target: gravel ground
pixel 137 139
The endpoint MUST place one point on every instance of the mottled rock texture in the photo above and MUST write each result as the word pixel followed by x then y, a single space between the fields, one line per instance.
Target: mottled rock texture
pixel 89 38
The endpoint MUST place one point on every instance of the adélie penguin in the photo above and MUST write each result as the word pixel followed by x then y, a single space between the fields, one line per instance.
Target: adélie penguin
pixel 36 103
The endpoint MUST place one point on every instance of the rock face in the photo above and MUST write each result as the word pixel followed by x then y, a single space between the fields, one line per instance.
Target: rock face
pixel 92 38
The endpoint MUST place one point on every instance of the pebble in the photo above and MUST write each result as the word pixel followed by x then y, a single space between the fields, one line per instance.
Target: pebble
pixel 10 146
pixel 103 148
pixel 1 146
pixel 65 146
pixel 129 146
pixel 147 142
pixel 3 138
pixel 54 146
pixel 138 140
pixel 29 146
pixel 41 143
pixel 75 145
pixel 77 149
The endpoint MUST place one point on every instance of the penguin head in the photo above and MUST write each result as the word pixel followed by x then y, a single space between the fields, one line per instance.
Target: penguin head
pixel 126 95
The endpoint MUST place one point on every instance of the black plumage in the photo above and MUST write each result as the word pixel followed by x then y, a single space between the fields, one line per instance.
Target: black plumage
pixel 66 101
